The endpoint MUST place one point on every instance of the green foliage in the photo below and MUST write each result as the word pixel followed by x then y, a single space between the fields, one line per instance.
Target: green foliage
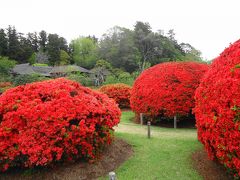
pixel 147 43
pixel 130 50
pixel 84 52
pixel 117 47
pixel 13 43
pixel 104 64
pixel 6 78
pixel 3 43
pixel 81 78
pixel 24 79
pixel 6 65
pixel 43 40
pixel 32 59
pixel 191 54
pixel 54 47
pixel 64 58
pixel 120 76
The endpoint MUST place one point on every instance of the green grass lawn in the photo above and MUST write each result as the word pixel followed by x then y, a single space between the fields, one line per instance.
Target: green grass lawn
pixel 167 155
pixel 127 117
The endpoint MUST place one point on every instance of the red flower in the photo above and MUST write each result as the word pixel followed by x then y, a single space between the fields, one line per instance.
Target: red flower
pixel 119 92
pixel 218 108
pixel 167 88
pixel 57 119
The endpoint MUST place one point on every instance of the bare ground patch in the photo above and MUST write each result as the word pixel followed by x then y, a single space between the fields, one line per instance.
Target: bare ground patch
pixel 208 169
pixel 113 156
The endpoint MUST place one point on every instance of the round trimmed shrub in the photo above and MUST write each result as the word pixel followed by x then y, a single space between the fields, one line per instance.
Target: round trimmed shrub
pixel 167 88
pixel 119 92
pixel 218 109
pixel 53 120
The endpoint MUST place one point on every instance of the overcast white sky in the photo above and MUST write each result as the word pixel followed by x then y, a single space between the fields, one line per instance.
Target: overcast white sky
pixel 208 25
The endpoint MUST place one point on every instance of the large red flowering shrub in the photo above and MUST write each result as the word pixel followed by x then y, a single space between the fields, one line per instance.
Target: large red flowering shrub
pixel 119 92
pixel 51 120
pixel 218 108
pixel 167 88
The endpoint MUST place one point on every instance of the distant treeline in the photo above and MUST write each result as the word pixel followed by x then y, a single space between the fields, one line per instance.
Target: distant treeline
pixel 129 50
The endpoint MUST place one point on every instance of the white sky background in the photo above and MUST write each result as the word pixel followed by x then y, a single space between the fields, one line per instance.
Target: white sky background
pixel 208 25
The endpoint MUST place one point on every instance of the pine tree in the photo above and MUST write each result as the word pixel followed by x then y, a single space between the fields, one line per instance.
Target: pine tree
pixel 3 43
pixel 13 43
pixel 43 40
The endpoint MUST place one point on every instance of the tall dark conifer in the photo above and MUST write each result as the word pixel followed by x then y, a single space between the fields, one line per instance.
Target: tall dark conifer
pixel 13 43
pixel 3 43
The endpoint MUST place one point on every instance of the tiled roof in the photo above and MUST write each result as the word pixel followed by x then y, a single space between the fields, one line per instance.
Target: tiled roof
pixel 47 70
pixel 68 68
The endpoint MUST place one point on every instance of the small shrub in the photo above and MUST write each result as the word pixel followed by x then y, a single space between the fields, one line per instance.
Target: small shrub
pixel 119 92
pixel 6 65
pixel 54 120
pixel 24 79
pixel 218 109
pixel 123 77
pixel 81 78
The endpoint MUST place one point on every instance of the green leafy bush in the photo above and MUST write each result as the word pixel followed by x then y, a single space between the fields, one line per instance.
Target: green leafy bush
pixel 24 79
pixel 120 77
pixel 81 78
pixel 6 65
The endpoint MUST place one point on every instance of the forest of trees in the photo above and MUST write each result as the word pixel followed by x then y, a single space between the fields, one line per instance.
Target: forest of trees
pixel 126 49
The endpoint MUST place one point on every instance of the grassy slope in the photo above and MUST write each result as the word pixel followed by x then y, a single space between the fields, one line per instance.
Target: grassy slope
pixel 167 155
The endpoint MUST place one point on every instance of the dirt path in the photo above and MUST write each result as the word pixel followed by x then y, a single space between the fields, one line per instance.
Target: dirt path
pixel 155 131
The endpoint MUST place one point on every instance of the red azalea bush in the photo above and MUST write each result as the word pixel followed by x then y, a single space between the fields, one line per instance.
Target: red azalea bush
pixel 218 109
pixel 119 92
pixel 167 88
pixel 48 121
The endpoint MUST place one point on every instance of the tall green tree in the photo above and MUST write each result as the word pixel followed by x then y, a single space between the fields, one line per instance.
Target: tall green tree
pixel 33 39
pixel 191 54
pixel 54 47
pixel 25 49
pixel 63 44
pixel 117 47
pixel 147 43
pixel 177 47
pixel 13 43
pixel 169 51
pixel 3 43
pixel 64 58
pixel 42 40
pixel 84 52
